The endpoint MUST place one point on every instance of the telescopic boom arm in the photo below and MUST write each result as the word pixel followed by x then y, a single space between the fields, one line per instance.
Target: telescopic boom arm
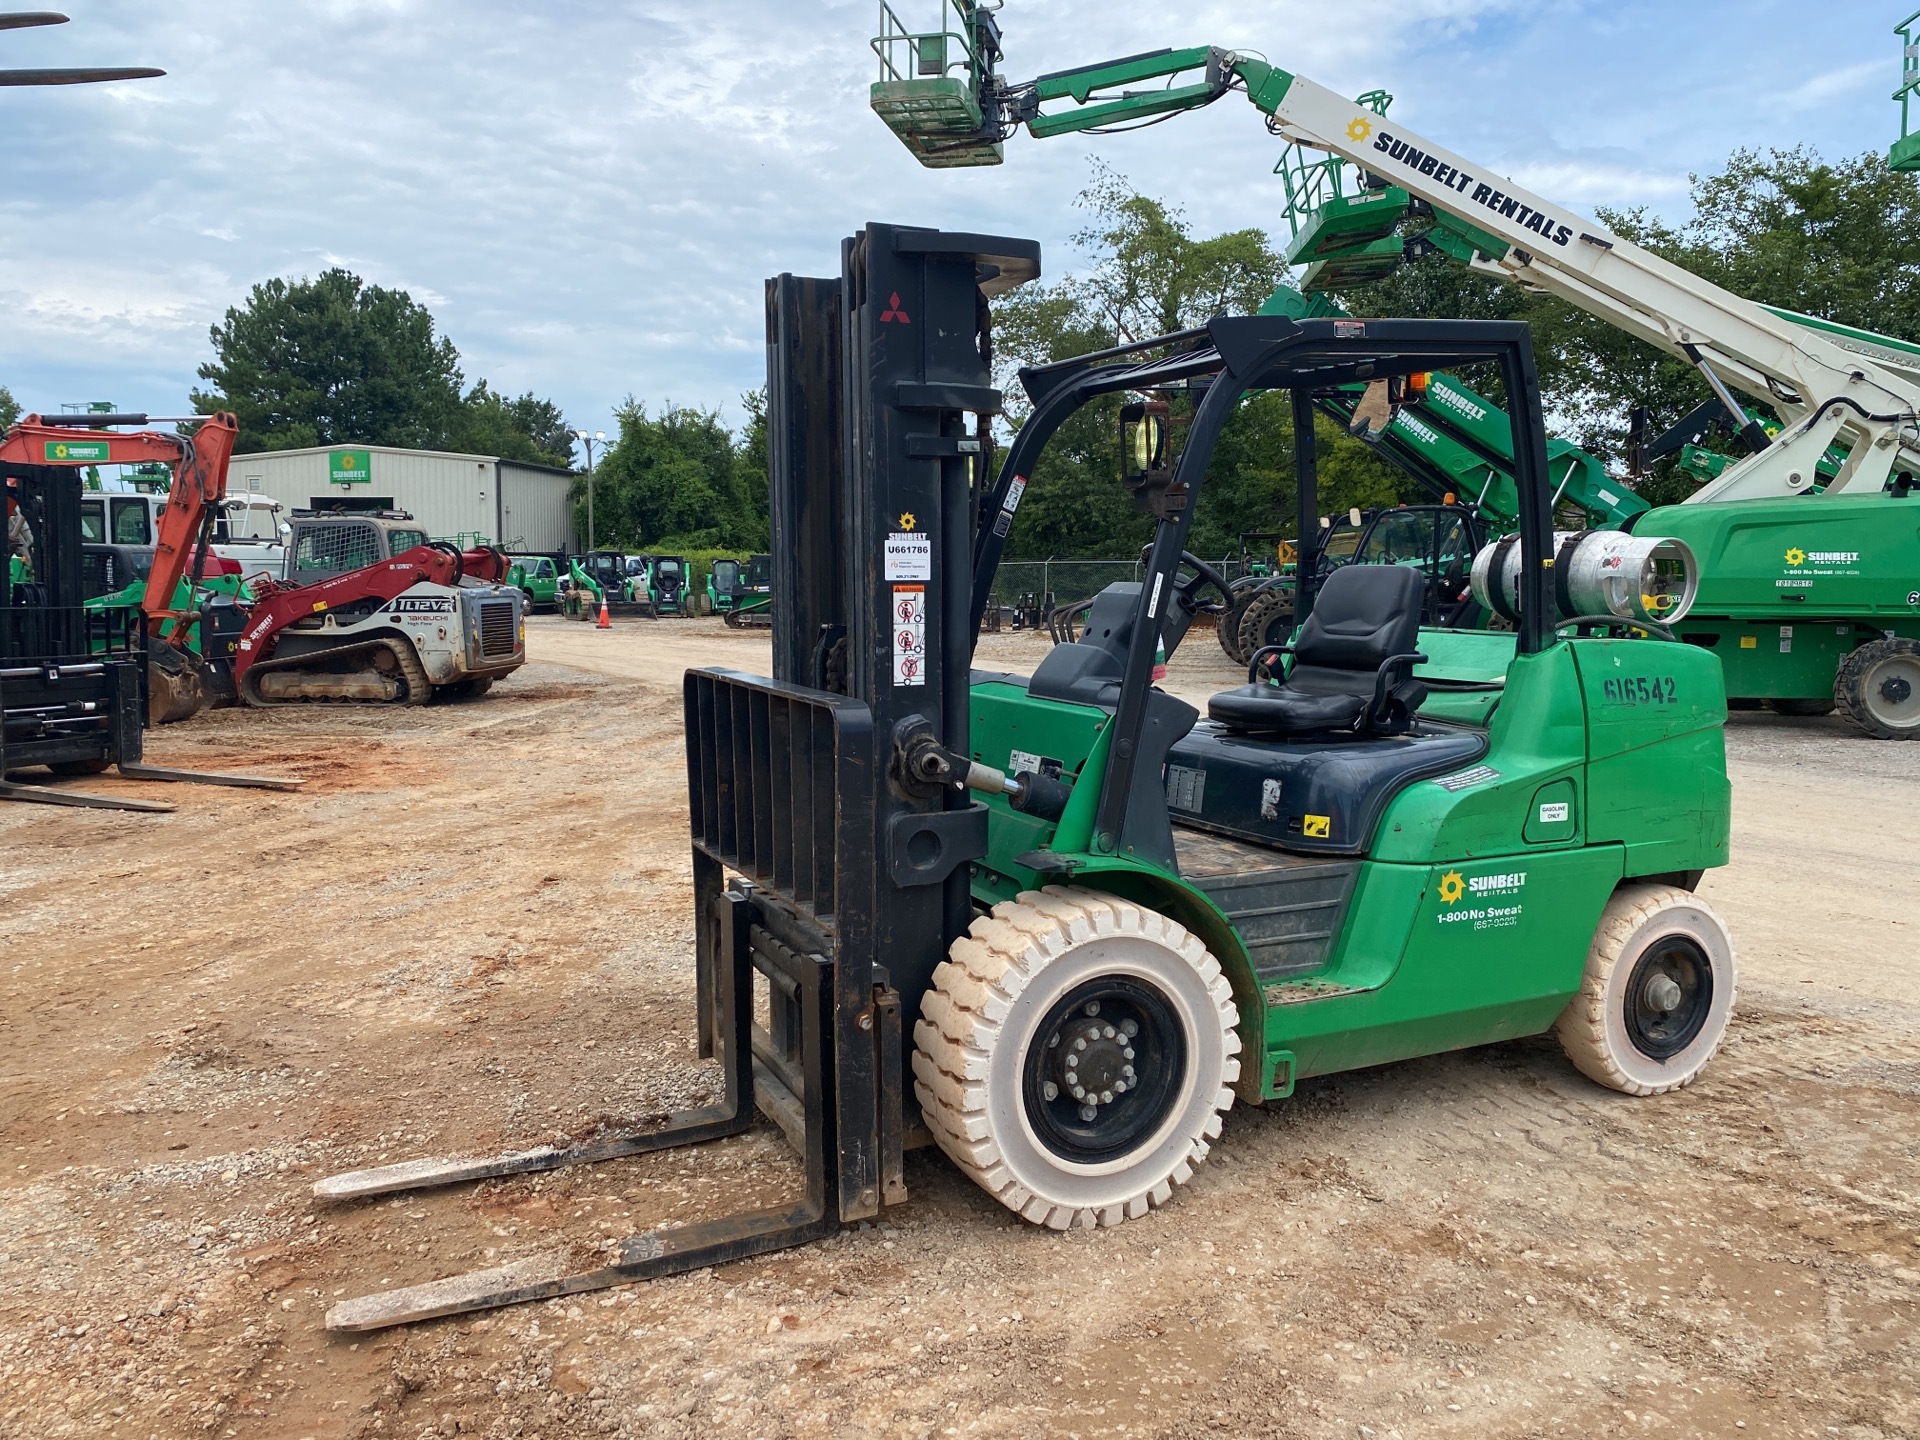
pixel 1832 386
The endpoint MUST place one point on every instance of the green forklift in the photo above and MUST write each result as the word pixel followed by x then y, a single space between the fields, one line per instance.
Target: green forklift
pixel 1057 924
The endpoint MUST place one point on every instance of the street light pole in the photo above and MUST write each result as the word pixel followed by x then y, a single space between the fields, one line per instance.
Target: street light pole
pixel 589 440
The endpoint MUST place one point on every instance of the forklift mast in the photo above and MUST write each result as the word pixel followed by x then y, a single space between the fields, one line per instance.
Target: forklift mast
pixel 831 830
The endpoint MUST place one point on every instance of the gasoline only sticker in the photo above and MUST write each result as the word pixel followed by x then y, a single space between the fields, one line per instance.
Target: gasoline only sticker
pixel 909 556
pixel 910 635
pixel 1554 813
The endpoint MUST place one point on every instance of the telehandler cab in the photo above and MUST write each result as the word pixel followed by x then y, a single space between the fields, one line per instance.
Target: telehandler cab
pixel 1058 923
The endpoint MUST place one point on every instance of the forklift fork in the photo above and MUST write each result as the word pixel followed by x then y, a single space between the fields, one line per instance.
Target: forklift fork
pixel 801 996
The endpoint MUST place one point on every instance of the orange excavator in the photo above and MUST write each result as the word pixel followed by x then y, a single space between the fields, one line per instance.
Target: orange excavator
pixel 178 686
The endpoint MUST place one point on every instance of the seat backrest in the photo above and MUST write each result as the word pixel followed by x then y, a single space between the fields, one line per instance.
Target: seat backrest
pixel 1362 615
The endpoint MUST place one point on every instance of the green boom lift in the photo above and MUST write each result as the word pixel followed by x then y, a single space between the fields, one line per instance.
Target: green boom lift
pixel 1807 545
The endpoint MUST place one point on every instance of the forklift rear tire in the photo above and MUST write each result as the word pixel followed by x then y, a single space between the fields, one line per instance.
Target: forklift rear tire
pixel 1658 990
pixel 1075 1055
pixel 1801 707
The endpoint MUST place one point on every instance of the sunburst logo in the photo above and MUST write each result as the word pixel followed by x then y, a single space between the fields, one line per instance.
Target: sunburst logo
pixel 1359 129
pixel 1796 556
pixel 1452 887
pixel 906 520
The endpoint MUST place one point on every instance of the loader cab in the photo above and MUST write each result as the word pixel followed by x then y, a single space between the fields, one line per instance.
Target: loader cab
pixel 1437 541
pixel 111 519
pixel 322 545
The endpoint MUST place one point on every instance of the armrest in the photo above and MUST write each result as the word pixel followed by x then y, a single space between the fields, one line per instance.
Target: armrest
pixel 1265 652
pixel 1387 675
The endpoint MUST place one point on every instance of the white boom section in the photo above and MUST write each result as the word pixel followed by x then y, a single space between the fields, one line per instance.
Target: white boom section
pixel 1825 392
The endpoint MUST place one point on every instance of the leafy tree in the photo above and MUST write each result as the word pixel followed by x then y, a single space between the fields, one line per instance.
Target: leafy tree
pixel 332 361
pixel 669 481
pixel 529 428
pixel 9 408
pixel 751 481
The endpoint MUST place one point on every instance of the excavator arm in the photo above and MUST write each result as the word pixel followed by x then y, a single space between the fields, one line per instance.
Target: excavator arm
pixel 199 466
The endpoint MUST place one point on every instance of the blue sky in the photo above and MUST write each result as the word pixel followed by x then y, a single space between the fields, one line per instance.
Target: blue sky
pixel 588 195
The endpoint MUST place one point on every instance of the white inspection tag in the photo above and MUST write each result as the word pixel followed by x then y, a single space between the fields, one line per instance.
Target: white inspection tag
pixel 909 635
pixel 909 556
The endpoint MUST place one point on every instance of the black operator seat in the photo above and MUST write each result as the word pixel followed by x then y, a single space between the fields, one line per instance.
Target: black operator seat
pixel 1352 665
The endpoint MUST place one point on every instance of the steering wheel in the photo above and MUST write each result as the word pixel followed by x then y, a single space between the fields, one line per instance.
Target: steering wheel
pixel 1617 628
pixel 1203 576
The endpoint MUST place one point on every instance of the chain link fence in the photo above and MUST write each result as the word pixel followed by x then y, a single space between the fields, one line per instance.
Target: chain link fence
pixel 1029 589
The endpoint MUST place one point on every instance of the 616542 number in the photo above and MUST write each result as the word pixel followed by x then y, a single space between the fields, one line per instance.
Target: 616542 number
pixel 1641 690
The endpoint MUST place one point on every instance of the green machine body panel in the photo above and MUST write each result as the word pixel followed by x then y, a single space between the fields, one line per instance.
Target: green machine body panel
pixel 1790 587
pixel 1472 909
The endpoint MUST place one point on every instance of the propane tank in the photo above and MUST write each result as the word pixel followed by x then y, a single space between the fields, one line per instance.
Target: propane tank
pixel 1599 572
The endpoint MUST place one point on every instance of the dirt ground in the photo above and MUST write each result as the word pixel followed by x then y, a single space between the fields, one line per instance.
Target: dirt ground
pixel 472 930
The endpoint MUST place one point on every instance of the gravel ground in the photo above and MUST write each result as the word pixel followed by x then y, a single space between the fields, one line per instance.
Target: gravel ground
pixel 471 930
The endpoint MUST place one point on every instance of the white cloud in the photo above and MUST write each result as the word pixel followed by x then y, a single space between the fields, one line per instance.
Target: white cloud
pixel 1831 84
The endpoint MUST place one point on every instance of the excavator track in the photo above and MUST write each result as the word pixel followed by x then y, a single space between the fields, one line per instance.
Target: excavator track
pixel 407 685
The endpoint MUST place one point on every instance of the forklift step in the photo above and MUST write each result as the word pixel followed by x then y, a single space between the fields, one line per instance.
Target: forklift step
pixel 1287 909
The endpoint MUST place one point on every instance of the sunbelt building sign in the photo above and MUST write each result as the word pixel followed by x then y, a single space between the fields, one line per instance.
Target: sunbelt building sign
pixel 349 467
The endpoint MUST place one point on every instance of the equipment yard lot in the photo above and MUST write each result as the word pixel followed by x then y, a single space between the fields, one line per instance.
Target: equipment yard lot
pixel 472 930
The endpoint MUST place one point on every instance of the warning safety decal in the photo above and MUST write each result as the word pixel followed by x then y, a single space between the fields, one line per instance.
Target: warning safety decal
pixel 909 635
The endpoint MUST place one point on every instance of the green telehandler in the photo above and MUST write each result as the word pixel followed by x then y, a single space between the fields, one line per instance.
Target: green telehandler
pixel 1058 923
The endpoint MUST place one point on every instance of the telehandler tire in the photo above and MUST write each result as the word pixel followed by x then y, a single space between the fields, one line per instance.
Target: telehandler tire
pixel 1878 689
pixel 1658 991
pixel 1266 619
pixel 1075 1055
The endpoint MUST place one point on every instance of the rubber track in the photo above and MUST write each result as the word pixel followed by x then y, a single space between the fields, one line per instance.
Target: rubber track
pixel 1582 1026
pixel 419 686
pixel 972 992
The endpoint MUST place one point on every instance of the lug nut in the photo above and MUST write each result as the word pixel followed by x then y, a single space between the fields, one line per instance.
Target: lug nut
pixel 1050 1090
pixel 1107 1032
pixel 1087 1112
pixel 1129 1028
pixel 1106 1097
pixel 1081 1043
pixel 1127 1054
pixel 1093 1007
pixel 1126 1072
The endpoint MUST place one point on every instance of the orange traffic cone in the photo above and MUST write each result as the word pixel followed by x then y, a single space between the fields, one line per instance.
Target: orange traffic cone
pixel 605 621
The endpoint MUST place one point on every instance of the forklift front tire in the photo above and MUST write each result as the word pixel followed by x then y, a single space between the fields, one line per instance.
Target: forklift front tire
pixel 1658 991
pixel 1075 1055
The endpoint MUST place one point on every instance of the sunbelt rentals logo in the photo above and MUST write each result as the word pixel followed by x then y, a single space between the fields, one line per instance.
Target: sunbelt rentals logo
pixel 1484 902
pixel 1797 557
